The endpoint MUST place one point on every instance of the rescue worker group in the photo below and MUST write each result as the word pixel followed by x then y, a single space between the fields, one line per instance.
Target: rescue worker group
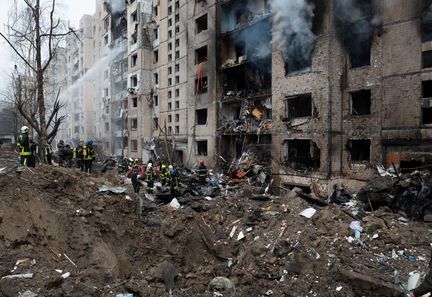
pixel 84 154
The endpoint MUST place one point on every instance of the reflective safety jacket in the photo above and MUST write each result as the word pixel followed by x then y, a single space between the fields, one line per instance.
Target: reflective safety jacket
pixel 202 171
pixel 149 175
pixel 24 144
pixel 47 151
pixel 88 152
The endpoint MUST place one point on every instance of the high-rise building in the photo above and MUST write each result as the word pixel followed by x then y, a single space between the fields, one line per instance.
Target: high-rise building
pixel 172 80
pixel 320 91
pixel 95 90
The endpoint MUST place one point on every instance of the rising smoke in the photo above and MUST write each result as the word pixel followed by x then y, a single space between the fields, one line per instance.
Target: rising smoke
pixel 354 26
pixel 292 31
pixel 427 20
pixel 116 6
pixel 255 41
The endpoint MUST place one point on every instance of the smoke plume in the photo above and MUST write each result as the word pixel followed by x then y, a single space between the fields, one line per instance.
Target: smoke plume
pixel 292 31
pixel 427 20
pixel 251 31
pixel 116 6
pixel 353 22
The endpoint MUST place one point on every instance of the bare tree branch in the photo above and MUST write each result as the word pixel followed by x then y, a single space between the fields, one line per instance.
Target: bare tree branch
pixel 54 131
pixel 50 37
pixel 30 5
pixel 71 31
pixel 18 53
pixel 35 35
pixel 30 119
pixel 56 108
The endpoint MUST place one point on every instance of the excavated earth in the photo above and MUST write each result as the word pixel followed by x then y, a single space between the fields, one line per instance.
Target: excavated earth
pixel 54 221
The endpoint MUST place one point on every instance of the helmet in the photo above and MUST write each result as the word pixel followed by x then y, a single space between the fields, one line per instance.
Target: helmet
pixel 163 166
pixel 149 165
pixel 201 162
pixel 24 129
pixel 170 167
pixel 90 142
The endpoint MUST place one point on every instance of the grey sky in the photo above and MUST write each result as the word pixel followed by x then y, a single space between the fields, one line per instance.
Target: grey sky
pixel 70 9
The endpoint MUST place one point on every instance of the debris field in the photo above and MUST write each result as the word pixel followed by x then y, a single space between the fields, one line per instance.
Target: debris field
pixel 61 236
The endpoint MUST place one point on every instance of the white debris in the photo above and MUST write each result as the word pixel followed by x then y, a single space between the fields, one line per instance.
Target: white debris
pixel 240 236
pixel 414 280
pixel 308 212
pixel 66 275
pixel 355 225
pixel 13 276
pixel 175 204
pixel 233 230
pixel 27 293
pixel 338 288
pixel 349 239
pixel 230 262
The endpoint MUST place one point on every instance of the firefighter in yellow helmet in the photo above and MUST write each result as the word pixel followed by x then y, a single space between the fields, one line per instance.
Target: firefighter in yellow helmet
pixel 24 146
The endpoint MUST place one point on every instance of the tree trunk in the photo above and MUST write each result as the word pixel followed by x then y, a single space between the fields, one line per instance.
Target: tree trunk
pixel 42 141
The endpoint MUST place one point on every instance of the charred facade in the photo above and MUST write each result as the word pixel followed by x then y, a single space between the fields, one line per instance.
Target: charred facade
pixel 245 80
pixel 363 102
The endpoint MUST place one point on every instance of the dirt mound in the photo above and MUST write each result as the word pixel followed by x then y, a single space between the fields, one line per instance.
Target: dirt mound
pixel 54 218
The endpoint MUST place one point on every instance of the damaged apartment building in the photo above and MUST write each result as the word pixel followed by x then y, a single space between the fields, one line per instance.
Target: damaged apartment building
pixel 94 93
pixel 171 80
pixel 320 91
pixel 245 80
pixel 350 89
pixel 325 91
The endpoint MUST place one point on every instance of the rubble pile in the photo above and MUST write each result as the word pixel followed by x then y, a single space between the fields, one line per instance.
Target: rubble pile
pixel 254 115
pixel 248 167
pixel 410 193
pixel 64 233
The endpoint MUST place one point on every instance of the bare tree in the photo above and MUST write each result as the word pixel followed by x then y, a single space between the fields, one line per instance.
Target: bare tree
pixel 34 34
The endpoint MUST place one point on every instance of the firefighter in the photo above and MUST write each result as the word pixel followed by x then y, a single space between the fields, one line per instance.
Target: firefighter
pixel 61 152
pixel 175 185
pixel 168 176
pixel 33 155
pixel 47 151
pixel 24 146
pixel 163 174
pixel 202 172
pixel 89 157
pixel 149 176
pixel 68 156
pixel 136 173
pixel 79 152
